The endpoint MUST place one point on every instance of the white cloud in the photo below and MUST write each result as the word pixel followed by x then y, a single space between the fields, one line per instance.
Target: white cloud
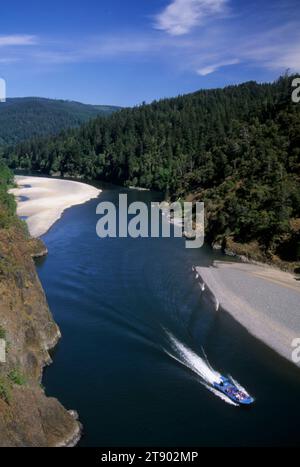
pixel 217 44
pixel 92 49
pixel 182 15
pixel 275 49
pixel 206 70
pixel 13 40
pixel 288 59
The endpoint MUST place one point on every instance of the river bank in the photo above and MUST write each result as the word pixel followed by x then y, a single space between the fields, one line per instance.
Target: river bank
pixel 27 416
pixel 47 198
pixel 27 328
pixel 263 299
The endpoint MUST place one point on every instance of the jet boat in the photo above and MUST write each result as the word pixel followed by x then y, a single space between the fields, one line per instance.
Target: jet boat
pixel 229 388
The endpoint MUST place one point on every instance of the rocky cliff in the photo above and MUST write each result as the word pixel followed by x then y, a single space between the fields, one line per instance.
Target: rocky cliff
pixel 28 332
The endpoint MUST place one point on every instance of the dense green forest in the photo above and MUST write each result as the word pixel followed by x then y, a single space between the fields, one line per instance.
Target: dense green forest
pixel 236 148
pixel 7 201
pixel 24 118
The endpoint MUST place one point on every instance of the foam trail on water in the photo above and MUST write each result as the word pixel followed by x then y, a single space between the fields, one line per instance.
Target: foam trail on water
pixel 198 365
pixel 220 395
pixel 194 362
pixel 206 359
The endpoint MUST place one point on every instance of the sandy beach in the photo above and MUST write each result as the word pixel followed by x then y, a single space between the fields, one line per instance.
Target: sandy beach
pixel 264 300
pixel 42 201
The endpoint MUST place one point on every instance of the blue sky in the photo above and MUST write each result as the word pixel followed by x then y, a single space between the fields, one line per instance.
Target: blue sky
pixel 125 52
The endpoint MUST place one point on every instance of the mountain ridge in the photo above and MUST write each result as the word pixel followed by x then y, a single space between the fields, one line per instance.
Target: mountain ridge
pixel 22 118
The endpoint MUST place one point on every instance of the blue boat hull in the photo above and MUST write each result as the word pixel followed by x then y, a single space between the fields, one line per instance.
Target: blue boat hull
pixel 229 389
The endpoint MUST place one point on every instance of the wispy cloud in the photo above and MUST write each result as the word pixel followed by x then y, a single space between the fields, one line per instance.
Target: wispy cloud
pixel 181 16
pixel 17 39
pixel 218 48
pixel 277 48
pixel 215 66
pixel 97 48
pixel 271 43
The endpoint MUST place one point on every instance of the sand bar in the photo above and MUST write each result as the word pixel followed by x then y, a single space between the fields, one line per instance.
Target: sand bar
pixel 47 199
pixel 264 300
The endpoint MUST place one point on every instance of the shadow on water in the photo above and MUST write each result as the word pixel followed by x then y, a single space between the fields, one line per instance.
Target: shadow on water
pixel 117 301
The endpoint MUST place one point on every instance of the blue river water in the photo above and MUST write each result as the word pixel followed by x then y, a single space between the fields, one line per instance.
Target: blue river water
pixel 134 325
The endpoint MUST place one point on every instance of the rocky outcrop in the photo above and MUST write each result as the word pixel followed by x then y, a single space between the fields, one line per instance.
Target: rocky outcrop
pixel 27 416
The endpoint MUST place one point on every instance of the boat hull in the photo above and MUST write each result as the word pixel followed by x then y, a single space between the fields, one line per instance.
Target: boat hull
pixel 229 389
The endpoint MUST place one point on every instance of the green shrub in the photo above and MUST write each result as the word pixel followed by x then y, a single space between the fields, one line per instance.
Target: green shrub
pixel 2 333
pixel 7 201
pixel 16 377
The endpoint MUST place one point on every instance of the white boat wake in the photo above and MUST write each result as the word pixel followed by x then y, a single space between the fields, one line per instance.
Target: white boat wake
pixel 198 365
pixel 220 395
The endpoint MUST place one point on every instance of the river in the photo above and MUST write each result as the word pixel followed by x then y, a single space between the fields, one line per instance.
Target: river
pixel 126 307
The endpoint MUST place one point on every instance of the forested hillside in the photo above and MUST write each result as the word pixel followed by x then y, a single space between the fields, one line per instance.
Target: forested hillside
pixel 237 148
pixel 24 118
pixel 7 202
